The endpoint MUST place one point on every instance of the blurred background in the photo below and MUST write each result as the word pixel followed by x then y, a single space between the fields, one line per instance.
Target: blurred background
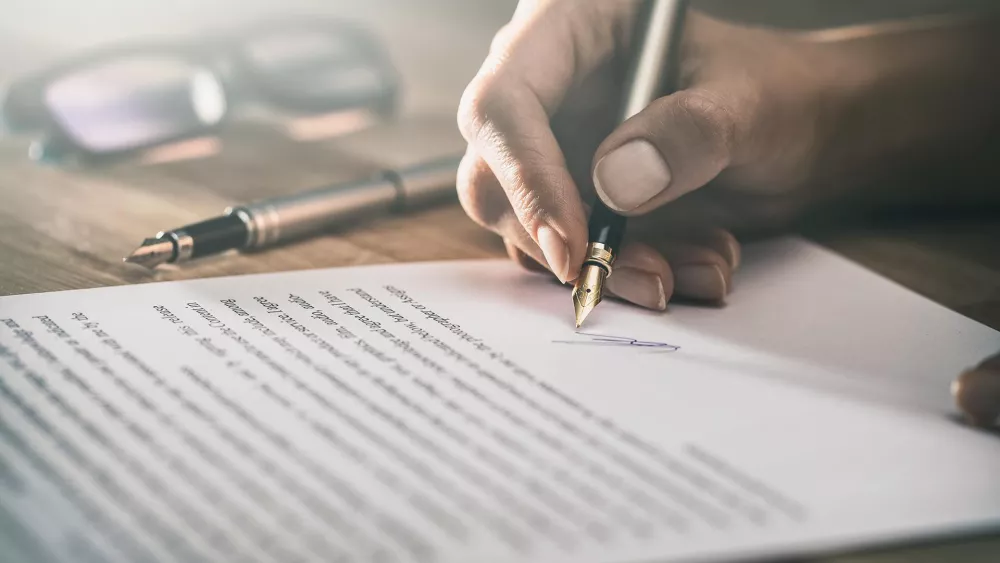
pixel 420 33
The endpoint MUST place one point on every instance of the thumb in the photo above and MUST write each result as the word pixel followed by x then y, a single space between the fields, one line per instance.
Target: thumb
pixel 676 145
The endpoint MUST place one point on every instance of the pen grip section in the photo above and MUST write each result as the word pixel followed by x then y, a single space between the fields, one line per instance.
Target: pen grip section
pixel 606 226
pixel 216 235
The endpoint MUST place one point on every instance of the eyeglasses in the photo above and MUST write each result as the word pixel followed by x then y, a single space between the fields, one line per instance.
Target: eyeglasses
pixel 132 97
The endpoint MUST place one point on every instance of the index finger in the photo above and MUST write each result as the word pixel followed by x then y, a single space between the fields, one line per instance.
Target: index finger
pixel 505 112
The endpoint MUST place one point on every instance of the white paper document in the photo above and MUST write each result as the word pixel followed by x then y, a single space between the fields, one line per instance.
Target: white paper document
pixel 450 412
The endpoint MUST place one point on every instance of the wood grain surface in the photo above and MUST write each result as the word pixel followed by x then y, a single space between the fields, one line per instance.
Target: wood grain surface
pixel 69 228
pixel 64 229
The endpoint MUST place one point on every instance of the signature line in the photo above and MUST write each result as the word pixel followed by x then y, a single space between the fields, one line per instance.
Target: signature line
pixel 607 340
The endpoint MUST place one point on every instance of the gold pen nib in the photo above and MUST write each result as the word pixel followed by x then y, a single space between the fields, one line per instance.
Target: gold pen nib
pixel 588 291
pixel 152 252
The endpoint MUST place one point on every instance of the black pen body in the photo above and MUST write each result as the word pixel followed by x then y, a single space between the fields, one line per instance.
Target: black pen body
pixel 606 227
pixel 217 235
pixel 652 73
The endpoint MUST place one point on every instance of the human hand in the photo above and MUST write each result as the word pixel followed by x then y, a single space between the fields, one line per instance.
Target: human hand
pixel 977 392
pixel 766 124
pixel 537 115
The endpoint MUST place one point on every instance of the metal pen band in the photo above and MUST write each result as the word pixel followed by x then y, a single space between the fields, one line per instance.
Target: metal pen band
pixel 183 244
pixel 600 255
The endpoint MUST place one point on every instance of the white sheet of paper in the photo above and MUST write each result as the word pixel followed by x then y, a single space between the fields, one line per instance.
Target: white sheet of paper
pixel 449 412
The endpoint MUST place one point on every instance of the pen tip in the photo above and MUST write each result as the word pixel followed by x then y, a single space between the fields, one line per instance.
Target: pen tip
pixel 582 311
pixel 151 253
pixel 588 291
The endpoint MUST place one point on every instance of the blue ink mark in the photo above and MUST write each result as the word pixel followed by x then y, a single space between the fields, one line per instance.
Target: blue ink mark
pixel 606 340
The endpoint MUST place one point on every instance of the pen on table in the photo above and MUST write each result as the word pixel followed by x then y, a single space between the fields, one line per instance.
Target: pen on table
pixel 274 221
pixel 657 35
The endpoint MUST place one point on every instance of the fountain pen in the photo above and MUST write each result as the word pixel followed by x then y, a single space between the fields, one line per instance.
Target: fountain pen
pixel 274 221
pixel 652 73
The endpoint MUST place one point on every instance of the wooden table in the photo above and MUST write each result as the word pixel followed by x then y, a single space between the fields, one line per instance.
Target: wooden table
pixel 68 229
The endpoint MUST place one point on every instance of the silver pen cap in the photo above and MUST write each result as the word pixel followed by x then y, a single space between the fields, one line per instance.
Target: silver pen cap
pixel 307 213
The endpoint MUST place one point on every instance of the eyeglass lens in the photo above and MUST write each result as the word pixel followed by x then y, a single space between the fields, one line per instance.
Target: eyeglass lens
pixel 134 102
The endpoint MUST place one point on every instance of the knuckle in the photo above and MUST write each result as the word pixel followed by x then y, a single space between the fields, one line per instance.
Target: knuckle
pixel 481 105
pixel 528 184
pixel 503 37
pixel 470 111
pixel 525 203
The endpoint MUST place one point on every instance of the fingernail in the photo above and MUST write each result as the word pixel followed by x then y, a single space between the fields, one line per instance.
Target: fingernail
pixel 639 287
pixel 700 281
pixel 631 175
pixel 977 394
pixel 555 250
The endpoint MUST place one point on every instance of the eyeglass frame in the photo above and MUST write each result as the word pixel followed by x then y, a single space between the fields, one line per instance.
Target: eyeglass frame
pixel 224 57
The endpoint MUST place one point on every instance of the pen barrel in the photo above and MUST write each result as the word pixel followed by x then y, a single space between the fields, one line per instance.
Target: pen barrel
pixel 307 213
pixel 655 40
pixel 427 183
pixel 655 44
